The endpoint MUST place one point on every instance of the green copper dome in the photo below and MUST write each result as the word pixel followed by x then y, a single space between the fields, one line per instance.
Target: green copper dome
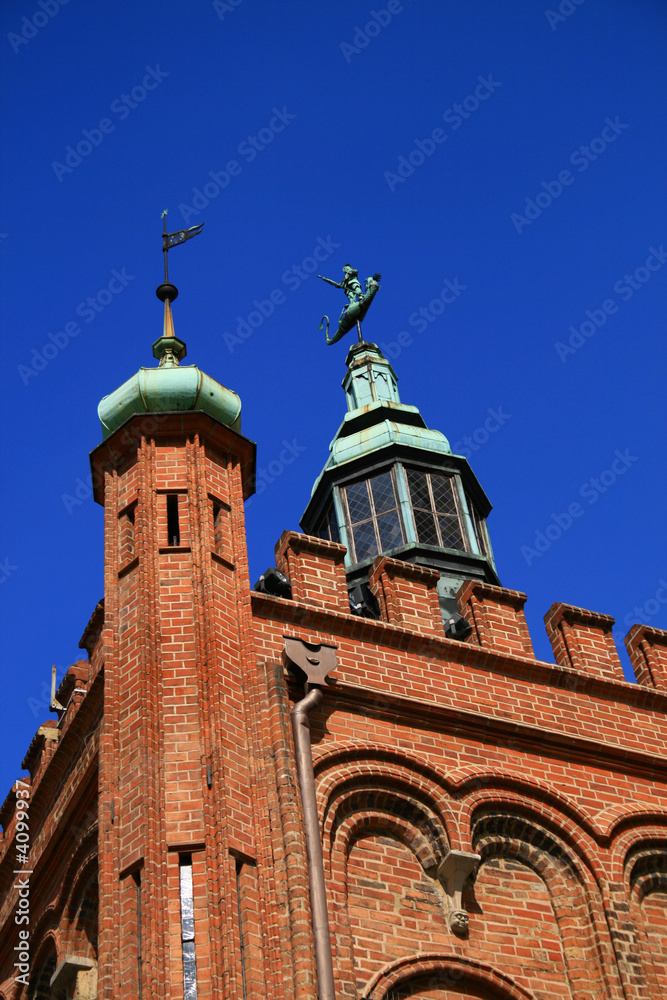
pixel 377 419
pixel 170 387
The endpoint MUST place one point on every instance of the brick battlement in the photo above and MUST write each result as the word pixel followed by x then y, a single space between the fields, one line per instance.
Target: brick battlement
pixel 582 640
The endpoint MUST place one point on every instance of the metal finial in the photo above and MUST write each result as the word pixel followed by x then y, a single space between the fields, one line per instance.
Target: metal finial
pixel 168 349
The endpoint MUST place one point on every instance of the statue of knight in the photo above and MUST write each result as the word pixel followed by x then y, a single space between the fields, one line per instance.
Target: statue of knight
pixel 358 302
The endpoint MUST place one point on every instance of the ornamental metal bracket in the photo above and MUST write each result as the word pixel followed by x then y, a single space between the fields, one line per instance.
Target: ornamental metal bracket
pixel 452 873
pixel 317 660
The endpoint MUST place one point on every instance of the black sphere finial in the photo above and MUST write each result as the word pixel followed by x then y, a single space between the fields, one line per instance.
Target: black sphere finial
pixel 166 291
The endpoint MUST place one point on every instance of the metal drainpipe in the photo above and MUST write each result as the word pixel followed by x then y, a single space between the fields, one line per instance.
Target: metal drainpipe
pixel 318 897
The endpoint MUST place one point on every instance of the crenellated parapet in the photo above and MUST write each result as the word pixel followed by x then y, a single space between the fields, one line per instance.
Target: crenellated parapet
pixel 583 640
pixel 496 616
pixel 647 649
pixel 407 596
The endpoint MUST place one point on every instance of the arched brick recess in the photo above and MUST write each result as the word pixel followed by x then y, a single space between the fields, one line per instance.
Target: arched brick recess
pixel 646 885
pixel 443 977
pixel 387 824
pixel 346 765
pixel 493 785
pixel 82 913
pixel 521 844
pixel 43 966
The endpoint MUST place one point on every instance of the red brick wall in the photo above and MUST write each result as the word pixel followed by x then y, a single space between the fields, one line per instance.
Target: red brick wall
pixel 554 773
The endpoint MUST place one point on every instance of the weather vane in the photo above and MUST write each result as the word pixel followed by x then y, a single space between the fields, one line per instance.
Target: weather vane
pixel 170 240
pixel 358 302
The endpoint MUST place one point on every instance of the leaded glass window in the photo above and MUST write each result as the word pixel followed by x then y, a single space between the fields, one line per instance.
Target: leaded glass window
pixel 478 527
pixel 435 509
pixel 373 517
pixel 328 526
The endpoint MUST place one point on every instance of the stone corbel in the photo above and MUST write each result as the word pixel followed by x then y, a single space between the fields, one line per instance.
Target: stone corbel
pixel 452 873
pixel 76 977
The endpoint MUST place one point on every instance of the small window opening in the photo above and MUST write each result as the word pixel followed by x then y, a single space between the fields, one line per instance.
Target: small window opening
pixel 217 527
pixel 126 534
pixel 239 867
pixel 136 876
pixel 188 927
pixel 173 528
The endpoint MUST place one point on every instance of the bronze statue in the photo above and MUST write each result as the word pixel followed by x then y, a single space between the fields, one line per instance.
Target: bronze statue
pixel 358 302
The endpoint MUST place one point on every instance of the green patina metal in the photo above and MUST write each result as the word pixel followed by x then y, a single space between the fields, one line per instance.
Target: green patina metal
pixel 376 418
pixel 170 387
pixel 359 302
pixel 167 390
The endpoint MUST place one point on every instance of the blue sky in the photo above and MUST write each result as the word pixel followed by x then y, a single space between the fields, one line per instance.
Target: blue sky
pixel 291 127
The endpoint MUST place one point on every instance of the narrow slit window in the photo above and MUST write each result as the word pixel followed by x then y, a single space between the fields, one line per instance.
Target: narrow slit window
pixel 239 867
pixel 218 528
pixel 126 535
pixel 136 877
pixel 173 527
pixel 188 927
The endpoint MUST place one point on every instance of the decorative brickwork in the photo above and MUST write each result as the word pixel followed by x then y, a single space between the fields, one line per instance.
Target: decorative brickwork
pixel 172 764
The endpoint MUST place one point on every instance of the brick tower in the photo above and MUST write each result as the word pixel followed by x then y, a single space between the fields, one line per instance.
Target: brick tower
pixel 354 782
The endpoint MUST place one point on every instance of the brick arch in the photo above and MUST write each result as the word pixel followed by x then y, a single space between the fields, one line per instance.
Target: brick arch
pixel 573 892
pixel 43 965
pixel 581 848
pixel 363 806
pixel 352 762
pixel 82 911
pixel 80 860
pixel 645 874
pixel 627 840
pixel 465 781
pixel 610 821
pixel 398 977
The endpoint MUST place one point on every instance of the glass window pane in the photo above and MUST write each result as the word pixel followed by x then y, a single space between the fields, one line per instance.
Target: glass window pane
pixel 389 527
pixel 333 525
pixel 442 495
pixel 189 971
pixel 383 493
pixel 419 489
pixel 451 533
pixel 187 903
pixel 426 530
pixel 358 502
pixel 365 543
